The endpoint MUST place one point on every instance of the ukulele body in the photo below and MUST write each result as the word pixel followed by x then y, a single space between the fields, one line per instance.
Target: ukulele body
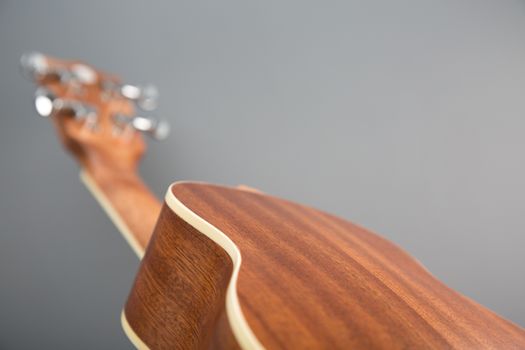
pixel 230 269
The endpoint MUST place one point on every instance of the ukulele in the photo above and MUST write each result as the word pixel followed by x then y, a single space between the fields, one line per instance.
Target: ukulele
pixel 227 268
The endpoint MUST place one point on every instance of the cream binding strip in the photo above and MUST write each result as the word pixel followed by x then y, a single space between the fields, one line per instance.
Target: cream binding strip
pixel 111 212
pixel 130 333
pixel 240 328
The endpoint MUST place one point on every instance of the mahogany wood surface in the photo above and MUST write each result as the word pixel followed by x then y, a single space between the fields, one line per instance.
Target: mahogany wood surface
pixel 178 296
pixel 308 280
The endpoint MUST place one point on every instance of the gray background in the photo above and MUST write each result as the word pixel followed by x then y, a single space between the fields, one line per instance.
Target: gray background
pixel 404 116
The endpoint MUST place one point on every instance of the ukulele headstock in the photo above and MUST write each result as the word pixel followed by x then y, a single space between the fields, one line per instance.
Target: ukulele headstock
pixel 95 97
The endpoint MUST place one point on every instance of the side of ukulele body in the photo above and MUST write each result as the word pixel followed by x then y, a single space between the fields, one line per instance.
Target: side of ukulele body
pixel 229 269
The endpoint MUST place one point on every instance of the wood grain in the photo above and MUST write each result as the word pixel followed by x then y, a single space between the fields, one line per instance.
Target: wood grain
pixel 308 280
pixel 178 295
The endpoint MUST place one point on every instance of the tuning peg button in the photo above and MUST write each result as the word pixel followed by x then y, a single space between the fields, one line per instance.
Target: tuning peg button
pixel 44 102
pixel 83 74
pixel 33 65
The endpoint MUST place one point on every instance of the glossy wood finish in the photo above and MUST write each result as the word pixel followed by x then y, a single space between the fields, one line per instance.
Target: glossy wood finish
pixel 178 296
pixel 308 280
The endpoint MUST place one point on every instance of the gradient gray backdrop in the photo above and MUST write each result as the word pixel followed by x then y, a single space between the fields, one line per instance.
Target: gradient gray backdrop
pixel 407 117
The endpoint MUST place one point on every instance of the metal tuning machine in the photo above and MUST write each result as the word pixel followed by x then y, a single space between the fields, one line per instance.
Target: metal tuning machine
pixel 36 66
pixel 146 96
pixel 46 103
pixel 89 91
pixel 157 129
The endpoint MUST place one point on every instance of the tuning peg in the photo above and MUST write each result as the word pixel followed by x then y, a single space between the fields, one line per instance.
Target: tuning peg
pixel 145 96
pixel 33 65
pixel 158 129
pixel 46 103
pixel 83 74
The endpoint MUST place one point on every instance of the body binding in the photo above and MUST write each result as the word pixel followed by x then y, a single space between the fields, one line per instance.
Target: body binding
pixel 228 269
